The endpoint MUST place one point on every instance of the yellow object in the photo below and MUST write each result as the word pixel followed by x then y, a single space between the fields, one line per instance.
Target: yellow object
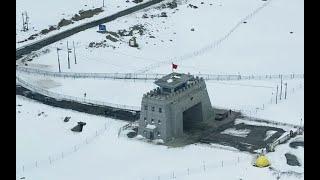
pixel 262 161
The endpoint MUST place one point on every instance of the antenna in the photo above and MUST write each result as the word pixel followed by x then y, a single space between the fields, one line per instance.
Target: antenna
pixel 68 56
pixel 74 53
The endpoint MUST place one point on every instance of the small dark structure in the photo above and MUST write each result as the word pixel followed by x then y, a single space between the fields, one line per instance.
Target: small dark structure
pixel 66 119
pixel 132 134
pixel 133 42
pixel 222 115
pixel 102 28
pixel 296 144
pixel 137 1
pixel 163 14
pixel 292 160
pixel 79 127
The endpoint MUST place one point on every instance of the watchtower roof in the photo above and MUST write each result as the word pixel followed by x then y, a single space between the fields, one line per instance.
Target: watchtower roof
pixel 173 80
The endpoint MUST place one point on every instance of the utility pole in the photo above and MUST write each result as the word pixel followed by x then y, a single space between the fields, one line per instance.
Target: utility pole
pixel 277 94
pixel 74 53
pixel 23 25
pixel 27 21
pixel 285 93
pixel 281 87
pixel 68 56
pixel 58 59
pixel 102 3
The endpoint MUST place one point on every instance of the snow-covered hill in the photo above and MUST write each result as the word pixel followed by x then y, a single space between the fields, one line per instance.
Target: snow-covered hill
pixel 202 36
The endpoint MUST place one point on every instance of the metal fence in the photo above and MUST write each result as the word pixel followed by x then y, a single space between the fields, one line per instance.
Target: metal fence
pixel 72 98
pixel 52 158
pixel 151 76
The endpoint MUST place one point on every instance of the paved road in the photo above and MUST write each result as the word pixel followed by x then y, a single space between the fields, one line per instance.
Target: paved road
pixel 116 113
pixel 54 38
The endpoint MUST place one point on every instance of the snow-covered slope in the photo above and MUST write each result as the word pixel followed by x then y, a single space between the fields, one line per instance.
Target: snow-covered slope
pixel 218 37
pixel 263 44
pixel 108 156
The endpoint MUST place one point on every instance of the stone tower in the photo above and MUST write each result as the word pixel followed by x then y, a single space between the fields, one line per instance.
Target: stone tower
pixel 180 102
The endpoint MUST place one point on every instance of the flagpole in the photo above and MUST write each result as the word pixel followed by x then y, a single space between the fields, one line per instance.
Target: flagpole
pixel 172 66
pixel 58 60
pixel 68 56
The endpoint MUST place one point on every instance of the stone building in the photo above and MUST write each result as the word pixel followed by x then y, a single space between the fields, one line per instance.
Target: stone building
pixel 180 102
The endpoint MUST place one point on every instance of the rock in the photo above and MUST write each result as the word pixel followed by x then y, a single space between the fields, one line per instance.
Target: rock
pixel 292 160
pixel 172 4
pixel 296 144
pixel 193 6
pixel 79 127
pixel 66 119
pixel 137 1
pixel 32 37
pixel 132 134
pixel 92 44
pixel 152 37
pixel 145 16
pixel 192 29
pixel 163 14
pixel 202 2
pixel 111 38
pixel 64 22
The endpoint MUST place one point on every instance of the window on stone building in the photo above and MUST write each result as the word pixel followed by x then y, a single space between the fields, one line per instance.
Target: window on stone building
pixel 160 110
pixel 145 107
pixel 152 108
pixel 158 133
pixel 152 121
pixel 159 121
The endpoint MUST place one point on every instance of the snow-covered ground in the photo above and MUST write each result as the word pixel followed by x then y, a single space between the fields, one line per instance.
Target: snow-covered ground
pixel 270 42
pixel 262 45
pixel 108 156
pixel 43 14
pixel 260 102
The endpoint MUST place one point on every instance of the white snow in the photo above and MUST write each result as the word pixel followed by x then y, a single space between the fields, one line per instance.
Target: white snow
pixel 263 45
pixel 150 126
pixel 42 14
pixel 236 132
pixel 38 139
pixel 269 134
pixel 260 102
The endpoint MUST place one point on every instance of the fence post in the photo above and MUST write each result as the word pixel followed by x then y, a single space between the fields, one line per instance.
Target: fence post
pixel 204 166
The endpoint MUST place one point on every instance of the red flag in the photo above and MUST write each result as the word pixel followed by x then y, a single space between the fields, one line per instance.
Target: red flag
pixel 174 66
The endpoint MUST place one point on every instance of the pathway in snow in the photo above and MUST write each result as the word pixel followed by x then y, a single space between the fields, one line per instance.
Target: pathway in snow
pixel 203 50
